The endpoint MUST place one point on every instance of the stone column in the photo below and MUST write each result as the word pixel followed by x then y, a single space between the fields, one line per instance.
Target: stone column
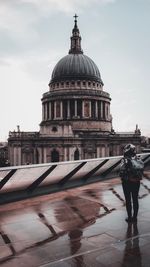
pixel 70 153
pixel 34 156
pixel 43 112
pixel 104 114
pixel 65 154
pixel 75 108
pixel 15 156
pixel 19 155
pixel 106 105
pixel 90 109
pixel 45 155
pixel 101 104
pixel 40 155
pixel 98 152
pixel 107 151
pixel 54 109
pixel 23 159
pixel 109 111
pixel 82 108
pixel 49 110
pixel 61 109
pixel 103 153
pixel 68 109
pixel 96 109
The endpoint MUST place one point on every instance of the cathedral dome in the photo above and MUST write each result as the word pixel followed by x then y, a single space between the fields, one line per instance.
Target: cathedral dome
pixel 76 65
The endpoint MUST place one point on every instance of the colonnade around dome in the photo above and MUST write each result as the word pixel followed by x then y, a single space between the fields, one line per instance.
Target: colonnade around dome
pixel 76 109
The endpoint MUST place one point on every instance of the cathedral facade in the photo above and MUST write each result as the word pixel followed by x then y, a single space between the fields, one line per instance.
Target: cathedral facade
pixel 76 119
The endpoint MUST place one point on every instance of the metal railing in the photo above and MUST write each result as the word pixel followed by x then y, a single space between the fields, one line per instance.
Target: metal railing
pixel 20 182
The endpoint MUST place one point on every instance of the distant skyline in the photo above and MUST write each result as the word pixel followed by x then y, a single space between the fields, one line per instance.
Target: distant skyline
pixel 35 34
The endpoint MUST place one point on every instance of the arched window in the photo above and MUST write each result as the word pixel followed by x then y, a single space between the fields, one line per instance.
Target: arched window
pixel 76 154
pixel 54 129
pixel 54 156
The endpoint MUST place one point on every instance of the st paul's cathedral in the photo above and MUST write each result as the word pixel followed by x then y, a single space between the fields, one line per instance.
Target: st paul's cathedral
pixel 76 119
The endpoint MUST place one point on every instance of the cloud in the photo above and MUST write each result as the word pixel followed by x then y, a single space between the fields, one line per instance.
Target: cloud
pixel 50 6
pixel 20 98
pixel 13 16
pixel 4 62
pixel 16 30
pixel 67 5
pixel 21 20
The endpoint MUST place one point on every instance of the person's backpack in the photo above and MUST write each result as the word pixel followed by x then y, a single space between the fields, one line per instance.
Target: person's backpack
pixel 131 169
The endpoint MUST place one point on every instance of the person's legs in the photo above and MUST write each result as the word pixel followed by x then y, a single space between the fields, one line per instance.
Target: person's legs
pixel 135 192
pixel 127 194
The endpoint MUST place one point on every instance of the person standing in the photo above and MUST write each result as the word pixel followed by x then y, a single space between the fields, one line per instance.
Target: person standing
pixel 131 171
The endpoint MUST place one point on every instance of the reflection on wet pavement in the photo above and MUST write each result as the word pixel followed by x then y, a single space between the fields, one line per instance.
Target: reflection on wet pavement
pixel 78 227
pixel 132 254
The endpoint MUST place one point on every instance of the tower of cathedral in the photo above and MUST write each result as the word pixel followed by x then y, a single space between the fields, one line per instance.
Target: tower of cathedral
pixel 76 120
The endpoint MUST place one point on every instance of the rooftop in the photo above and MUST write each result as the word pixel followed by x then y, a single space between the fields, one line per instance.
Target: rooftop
pixel 84 227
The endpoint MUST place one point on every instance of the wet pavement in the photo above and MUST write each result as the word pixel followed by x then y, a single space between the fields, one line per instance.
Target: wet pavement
pixel 81 227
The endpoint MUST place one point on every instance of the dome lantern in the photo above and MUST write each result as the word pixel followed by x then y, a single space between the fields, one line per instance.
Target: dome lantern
pixel 75 39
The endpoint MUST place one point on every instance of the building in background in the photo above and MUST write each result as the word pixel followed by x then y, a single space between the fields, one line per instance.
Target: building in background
pixel 3 154
pixel 76 119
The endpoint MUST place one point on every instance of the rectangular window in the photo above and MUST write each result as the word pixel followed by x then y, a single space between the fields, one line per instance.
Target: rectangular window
pixel 93 109
pixel 65 109
pixel 87 109
pixel 58 109
pixel 79 108
pixel 72 108
pixel 52 110
pixel 99 110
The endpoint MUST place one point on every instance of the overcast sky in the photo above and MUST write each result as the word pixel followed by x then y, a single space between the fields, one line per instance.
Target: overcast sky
pixel 35 34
